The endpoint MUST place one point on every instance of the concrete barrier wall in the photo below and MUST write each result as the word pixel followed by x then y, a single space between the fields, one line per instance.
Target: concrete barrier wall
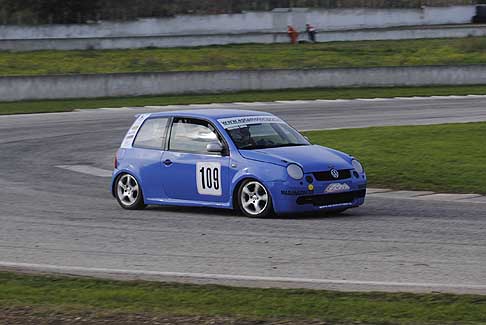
pixel 222 39
pixel 275 21
pixel 137 84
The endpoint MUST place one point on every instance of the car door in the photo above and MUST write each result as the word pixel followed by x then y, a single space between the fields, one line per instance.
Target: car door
pixel 146 153
pixel 191 173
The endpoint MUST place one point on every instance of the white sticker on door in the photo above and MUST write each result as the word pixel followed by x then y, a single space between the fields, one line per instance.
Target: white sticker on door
pixel 208 178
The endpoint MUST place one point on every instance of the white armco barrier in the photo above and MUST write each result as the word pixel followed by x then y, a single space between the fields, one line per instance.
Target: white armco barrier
pixel 162 41
pixel 251 27
pixel 273 21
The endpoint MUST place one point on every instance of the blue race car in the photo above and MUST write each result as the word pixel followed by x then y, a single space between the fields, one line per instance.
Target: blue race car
pixel 246 160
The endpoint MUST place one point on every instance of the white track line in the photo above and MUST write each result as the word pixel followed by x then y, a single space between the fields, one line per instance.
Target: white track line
pixel 374 99
pixel 116 108
pixel 332 100
pixel 166 107
pixel 80 269
pixel 254 103
pixel 90 170
pixel 215 105
pixel 427 196
pixel 471 96
pixel 293 101
pixel 298 102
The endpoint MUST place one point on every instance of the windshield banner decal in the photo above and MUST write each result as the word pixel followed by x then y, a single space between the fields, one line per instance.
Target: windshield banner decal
pixel 236 122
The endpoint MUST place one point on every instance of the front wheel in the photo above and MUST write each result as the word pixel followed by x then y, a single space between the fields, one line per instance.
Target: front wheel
pixel 128 192
pixel 254 200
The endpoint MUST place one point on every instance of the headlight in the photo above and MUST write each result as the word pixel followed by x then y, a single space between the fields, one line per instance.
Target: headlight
pixel 357 165
pixel 295 171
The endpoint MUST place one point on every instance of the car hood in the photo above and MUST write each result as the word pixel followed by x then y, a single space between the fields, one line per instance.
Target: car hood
pixel 312 158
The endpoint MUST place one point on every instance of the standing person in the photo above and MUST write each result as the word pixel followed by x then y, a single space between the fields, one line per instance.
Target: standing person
pixel 293 34
pixel 311 32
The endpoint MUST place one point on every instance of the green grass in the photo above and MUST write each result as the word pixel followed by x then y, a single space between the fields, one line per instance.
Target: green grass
pixel 45 106
pixel 47 293
pixel 471 50
pixel 441 158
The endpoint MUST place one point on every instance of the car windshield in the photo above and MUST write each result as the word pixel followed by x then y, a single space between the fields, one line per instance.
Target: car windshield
pixel 265 135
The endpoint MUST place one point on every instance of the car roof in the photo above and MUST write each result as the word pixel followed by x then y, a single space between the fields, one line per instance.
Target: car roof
pixel 212 114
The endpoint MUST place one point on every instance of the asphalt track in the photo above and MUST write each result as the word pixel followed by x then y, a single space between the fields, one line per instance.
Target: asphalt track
pixel 59 220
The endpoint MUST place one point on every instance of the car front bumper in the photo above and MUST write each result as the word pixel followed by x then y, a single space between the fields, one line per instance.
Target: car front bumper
pixel 292 197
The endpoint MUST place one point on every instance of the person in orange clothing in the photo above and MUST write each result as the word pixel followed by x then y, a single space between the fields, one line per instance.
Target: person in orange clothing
pixel 293 34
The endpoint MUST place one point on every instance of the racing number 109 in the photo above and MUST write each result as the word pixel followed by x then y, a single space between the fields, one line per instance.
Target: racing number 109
pixel 208 178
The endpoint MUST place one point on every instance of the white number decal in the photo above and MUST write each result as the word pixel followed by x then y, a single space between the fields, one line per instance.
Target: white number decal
pixel 208 178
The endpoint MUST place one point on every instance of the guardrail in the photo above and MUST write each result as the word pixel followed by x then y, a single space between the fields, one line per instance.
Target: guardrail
pixel 174 40
pixel 164 83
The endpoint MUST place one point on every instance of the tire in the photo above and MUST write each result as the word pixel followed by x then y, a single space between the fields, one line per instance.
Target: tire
pixel 254 199
pixel 128 192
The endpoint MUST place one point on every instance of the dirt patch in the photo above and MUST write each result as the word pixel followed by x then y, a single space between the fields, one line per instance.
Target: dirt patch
pixel 28 315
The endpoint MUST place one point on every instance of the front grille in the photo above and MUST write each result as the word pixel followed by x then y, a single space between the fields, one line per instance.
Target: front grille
pixel 326 176
pixel 330 199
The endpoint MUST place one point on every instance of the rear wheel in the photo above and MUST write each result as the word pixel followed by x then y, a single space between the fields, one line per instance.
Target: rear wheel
pixel 129 193
pixel 254 200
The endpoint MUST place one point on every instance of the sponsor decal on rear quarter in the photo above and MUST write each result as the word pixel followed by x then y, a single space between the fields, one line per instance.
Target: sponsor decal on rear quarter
pixel 128 140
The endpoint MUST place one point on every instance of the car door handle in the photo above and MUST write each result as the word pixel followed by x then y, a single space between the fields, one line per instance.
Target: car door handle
pixel 167 162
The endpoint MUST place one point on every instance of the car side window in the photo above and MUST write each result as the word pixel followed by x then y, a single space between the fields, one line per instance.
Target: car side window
pixel 152 134
pixel 191 135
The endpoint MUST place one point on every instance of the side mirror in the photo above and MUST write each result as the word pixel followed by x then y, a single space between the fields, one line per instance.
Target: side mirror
pixel 214 147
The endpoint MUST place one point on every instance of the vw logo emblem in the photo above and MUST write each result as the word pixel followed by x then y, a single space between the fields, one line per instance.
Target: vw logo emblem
pixel 334 173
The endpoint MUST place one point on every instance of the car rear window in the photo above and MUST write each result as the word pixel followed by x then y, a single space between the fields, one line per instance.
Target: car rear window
pixel 152 134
